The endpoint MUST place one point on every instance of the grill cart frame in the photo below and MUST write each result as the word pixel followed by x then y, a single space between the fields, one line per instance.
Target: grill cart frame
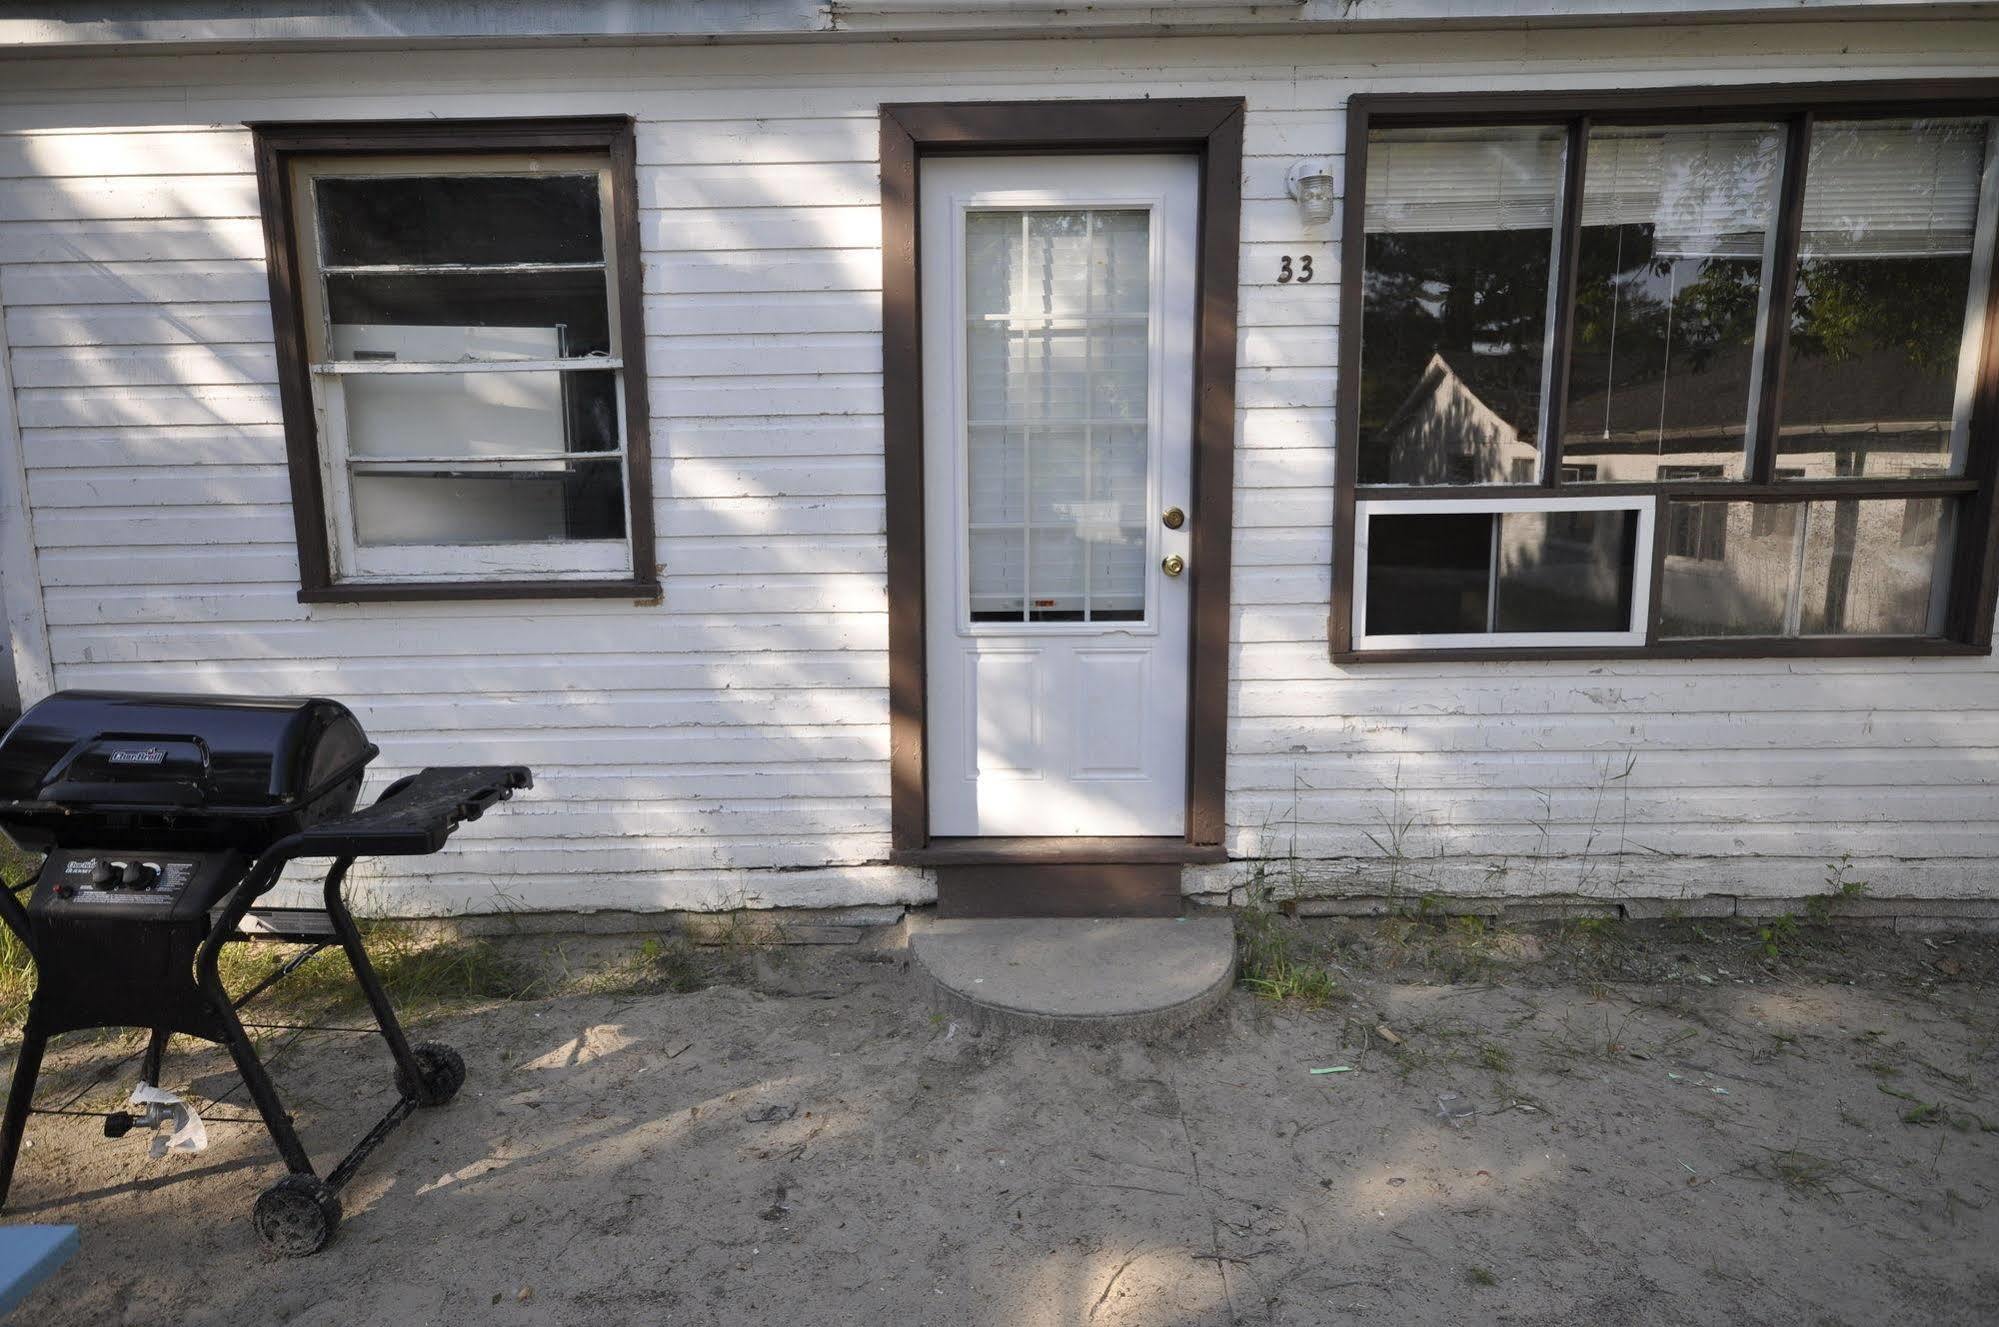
pixel 413 817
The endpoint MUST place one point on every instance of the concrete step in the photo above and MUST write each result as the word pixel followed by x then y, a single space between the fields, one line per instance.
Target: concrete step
pixel 1080 977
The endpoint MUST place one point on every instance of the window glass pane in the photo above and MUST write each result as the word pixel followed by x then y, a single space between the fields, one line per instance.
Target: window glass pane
pixel 1566 570
pixel 426 219
pixel 559 500
pixel 1428 575
pixel 1058 401
pixel 1850 566
pixel 530 413
pixel 1668 273
pixel 1460 232
pixel 469 315
pixel 1728 570
pixel 1869 567
pixel 1878 326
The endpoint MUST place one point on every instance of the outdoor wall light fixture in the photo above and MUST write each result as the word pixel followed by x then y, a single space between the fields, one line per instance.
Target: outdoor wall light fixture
pixel 1311 183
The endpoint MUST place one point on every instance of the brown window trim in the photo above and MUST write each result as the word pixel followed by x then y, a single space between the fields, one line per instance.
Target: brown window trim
pixel 1209 128
pixel 276 145
pixel 1974 588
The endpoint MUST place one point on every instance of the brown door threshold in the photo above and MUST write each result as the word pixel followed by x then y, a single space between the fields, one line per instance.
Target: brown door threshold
pixel 1059 889
pixel 991 851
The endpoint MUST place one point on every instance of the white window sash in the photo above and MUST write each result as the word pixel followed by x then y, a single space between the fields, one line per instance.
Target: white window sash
pixel 472 562
pixel 1366 509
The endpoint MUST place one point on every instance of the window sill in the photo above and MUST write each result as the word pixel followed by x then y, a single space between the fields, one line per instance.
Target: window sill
pixel 388 592
pixel 1823 647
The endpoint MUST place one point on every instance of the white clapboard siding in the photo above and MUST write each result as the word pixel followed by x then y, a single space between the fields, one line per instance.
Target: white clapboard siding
pixel 729 745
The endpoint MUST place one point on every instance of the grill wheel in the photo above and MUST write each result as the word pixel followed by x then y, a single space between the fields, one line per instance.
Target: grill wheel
pixel 443 1072
pixel 296 1216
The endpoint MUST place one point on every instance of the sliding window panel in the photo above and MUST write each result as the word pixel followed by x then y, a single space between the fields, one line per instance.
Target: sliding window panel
pixel 1565 571
pixel 1727 569
pixel 480 220
pixel 1468 573
pixel 1454 324
pixel 535 502
pixel 1837 567
pixel 1670 267
pixel 1429 575
pixel 1883 345
pixel 1872 567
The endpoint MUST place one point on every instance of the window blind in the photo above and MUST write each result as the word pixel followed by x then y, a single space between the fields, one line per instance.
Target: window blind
pixel 1707 191
pixel 1893 188
pixel 1446 180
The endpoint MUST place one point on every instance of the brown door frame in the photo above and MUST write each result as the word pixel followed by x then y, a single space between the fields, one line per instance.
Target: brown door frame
pixel 1209 129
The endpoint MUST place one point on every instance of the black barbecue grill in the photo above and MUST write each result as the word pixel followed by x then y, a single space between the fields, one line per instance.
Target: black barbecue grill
pixel 164 819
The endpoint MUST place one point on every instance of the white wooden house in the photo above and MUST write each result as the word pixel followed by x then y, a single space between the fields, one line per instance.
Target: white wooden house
pixel 1073 452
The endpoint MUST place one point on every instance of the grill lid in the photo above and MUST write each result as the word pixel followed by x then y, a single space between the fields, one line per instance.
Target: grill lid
pixel 117 750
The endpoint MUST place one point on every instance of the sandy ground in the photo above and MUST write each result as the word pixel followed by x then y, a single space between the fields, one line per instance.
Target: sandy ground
pixel 1703 1147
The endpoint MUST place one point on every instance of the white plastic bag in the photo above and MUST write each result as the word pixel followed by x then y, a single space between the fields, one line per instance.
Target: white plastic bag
pixel 158 1106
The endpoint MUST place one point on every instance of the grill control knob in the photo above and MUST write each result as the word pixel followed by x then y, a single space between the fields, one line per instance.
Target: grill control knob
pixel 138 875
pixel 102 874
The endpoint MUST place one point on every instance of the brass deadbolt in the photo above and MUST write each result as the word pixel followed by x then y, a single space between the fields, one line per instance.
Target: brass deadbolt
pixel 1173 565
pixel 1173 518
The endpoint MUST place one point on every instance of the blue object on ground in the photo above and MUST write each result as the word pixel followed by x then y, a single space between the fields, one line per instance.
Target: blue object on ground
pixel 30 1255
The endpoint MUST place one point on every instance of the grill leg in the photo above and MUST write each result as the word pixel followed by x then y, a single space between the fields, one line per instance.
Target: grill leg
pixel 371 985
pixel 265 1094
pixel 27 1067
pixel 149 1068
pixel 223 1010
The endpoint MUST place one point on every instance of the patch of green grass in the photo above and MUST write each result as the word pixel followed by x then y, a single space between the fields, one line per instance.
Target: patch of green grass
pixel 1495 1057
pixel 1271 957
pixel 424 974
pixel 673 963
pixel 17 973
pixel 1482 1277
pixel 1778 935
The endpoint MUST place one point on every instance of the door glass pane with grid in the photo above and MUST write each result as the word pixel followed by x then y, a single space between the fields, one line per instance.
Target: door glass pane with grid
pixel 1058 376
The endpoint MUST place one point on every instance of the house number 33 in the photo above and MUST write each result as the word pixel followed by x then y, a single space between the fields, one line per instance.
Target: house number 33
pixel 1287 273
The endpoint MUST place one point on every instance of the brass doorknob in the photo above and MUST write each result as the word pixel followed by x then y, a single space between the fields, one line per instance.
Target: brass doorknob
pixel 1173 565
pixel 1173 518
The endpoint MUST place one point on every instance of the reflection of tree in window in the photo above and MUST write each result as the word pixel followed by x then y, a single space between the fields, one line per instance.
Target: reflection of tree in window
pixel 1884 272
pixel 1669 267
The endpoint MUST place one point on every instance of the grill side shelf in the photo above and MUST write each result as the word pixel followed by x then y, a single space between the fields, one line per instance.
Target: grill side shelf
pixel 415 815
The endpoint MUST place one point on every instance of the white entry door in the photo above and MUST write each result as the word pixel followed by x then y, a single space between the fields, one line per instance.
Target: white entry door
pixel 1058 363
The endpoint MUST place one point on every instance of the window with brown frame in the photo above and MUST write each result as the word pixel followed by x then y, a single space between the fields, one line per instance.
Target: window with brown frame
pixel 461 357
pixel 1763 315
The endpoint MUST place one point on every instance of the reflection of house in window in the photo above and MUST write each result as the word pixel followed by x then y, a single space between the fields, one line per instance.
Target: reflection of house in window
pixel 1696 530
pixel 1444 433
